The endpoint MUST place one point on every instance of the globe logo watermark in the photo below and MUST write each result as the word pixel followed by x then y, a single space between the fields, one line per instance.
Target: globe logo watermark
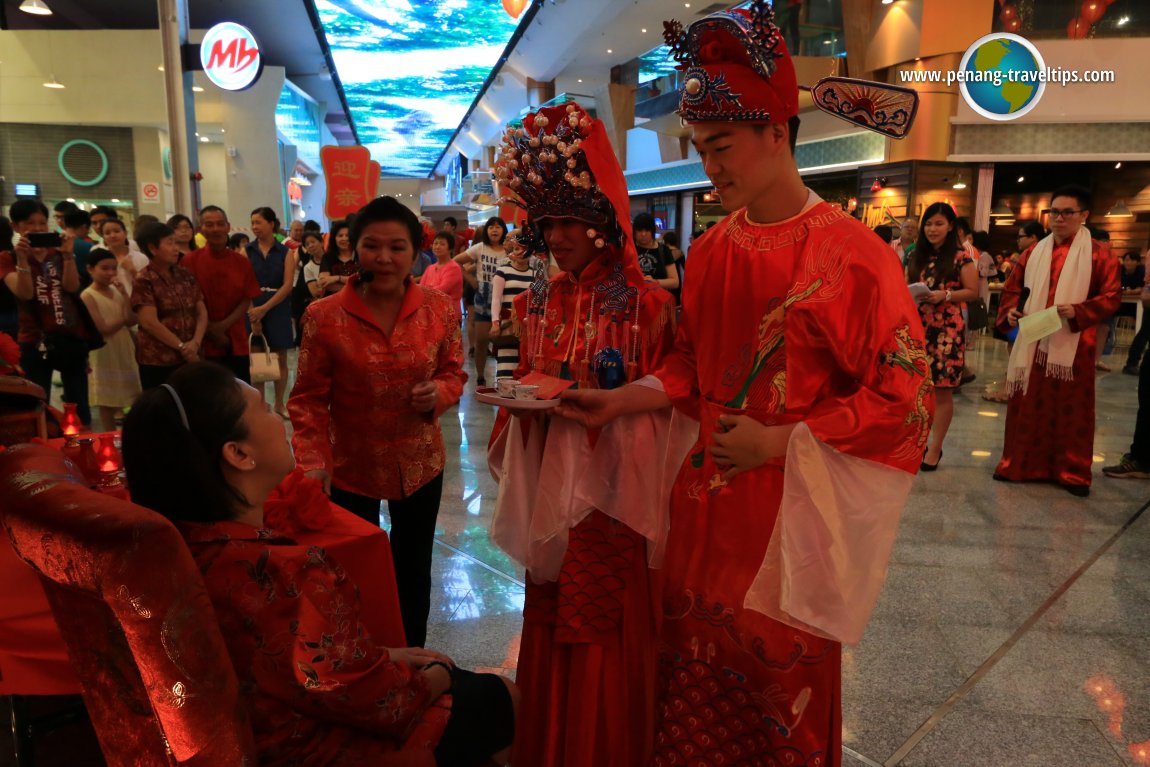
pixel 1002 76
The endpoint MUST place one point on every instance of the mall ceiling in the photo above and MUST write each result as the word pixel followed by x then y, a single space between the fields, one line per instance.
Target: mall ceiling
pixel 290 42
pixel 573 42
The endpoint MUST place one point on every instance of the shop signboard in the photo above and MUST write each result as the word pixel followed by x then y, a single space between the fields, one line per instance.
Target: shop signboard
pixel 231 56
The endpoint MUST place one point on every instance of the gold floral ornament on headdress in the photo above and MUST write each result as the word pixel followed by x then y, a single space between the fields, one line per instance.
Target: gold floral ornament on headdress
pixel 543 163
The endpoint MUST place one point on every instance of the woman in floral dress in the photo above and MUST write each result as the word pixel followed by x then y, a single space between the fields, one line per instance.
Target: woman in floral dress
pixel 945 267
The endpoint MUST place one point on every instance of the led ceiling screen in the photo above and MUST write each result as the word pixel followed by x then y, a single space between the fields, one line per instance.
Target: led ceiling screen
pixel 411 68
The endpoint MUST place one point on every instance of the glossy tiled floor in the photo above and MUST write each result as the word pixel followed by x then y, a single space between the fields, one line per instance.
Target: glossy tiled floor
pixel 1015 624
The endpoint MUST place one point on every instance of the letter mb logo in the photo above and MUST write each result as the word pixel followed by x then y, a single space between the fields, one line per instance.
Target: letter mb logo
pixel 230 56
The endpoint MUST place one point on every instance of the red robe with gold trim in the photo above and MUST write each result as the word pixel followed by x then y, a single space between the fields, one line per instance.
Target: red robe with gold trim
pixel 1050 428
pixel 805 321
pixel 587 659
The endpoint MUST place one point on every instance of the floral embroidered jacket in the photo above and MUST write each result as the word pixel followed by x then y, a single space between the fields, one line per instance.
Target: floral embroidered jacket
pixel 351 405
pixel 319 689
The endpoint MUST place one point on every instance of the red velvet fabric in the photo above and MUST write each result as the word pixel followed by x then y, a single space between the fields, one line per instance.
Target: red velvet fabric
pixel 133 611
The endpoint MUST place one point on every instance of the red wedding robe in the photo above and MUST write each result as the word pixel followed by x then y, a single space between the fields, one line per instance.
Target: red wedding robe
pixel 587 661
pixel 1050 428
pixel 805 321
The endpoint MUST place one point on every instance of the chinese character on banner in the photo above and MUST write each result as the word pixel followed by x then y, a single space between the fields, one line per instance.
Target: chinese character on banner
pixel 347 172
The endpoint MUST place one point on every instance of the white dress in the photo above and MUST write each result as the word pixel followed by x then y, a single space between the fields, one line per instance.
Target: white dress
pixel 115 378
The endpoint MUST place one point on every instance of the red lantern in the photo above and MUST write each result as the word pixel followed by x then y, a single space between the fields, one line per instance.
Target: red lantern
pixel 1008 12
pixel 1014 25
pixel 1092 11
pixel 514 7
pixel 1077 29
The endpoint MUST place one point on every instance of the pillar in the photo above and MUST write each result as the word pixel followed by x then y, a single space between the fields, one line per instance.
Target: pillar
pixel 181 110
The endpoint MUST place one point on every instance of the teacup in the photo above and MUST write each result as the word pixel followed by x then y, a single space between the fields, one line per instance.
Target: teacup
pixel 505 387
pixel 526 391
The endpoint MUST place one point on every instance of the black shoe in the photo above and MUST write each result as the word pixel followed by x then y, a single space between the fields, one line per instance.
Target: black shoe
pixel 1000 478
pixel 1079 491
pixel 1130 370
pixel 924 466
pixel 967 378
pixel 1128 469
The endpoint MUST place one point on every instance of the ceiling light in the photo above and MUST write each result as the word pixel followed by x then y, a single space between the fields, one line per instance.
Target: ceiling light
pixel 36 7
pixel 1002 210
pixel 1120 211
pixel 197 89
pixel 580 79
pixel 54 84
pixel 887 2
pixel 204 139
pixel 1123 21
pixel 1021 179
pixel 161 67
pixel 644 30
pixel 115 199
pixel 610 51
pixel 959 183
pixel 1117 165
pixel 686 5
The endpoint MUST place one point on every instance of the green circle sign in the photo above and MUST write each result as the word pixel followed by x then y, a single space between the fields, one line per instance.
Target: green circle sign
pixel 81 182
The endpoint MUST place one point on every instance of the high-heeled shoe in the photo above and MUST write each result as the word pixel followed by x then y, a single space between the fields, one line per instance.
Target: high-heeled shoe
pixel 924 466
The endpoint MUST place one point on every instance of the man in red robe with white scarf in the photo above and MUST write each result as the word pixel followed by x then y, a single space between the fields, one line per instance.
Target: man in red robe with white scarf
pixel 1050 416
pixel 801 355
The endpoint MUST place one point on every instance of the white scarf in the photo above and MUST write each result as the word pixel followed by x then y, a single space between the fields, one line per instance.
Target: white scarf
pixel 1055 352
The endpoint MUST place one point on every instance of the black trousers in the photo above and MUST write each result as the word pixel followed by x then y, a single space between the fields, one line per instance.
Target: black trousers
pixel 1138 345
pixel 1140 447
pixel 412 538
pixel 73 369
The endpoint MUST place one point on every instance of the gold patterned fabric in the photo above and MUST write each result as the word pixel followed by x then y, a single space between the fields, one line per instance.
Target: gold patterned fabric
pixel 351 405
pixel 132 609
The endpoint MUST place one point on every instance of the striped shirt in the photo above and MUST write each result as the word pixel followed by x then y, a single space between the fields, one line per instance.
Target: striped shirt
pixel 506 285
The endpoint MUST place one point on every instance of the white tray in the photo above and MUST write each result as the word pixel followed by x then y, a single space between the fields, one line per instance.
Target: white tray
pixel 491 398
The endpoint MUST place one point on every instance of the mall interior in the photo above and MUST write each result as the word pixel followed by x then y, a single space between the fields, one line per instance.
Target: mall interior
pixel 1008 628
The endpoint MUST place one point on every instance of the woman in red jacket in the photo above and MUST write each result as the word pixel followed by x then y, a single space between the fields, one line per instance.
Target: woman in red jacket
pixel 319 688
pixel 379 362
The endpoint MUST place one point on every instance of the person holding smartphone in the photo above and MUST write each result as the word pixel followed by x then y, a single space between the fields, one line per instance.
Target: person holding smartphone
pixel 41 272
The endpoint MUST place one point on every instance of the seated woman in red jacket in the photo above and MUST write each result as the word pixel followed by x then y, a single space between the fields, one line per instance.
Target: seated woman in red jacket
pixel 205 451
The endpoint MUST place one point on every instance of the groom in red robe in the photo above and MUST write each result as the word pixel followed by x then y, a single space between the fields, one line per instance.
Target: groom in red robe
pixel 801 355
pixel 1050 416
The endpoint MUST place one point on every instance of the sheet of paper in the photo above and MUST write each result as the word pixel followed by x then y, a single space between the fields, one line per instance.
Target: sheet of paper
pixel 918 292
pixel 1035 327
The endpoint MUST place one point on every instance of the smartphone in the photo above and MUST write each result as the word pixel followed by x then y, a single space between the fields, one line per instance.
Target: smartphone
pixel 44 239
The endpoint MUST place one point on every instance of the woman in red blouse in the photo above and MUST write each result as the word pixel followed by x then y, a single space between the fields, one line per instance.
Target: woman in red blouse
pixel 379 362
pixel 319 690
pixel 170 306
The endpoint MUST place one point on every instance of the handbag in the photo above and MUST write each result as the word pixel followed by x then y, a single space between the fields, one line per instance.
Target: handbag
pixel 976 314
pixel 264 366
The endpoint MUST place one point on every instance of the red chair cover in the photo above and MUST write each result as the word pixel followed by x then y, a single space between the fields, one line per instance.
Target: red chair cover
pixel 133 611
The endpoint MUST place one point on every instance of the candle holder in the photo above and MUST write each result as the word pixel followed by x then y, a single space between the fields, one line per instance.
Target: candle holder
pixel 71 426
pixel 109 464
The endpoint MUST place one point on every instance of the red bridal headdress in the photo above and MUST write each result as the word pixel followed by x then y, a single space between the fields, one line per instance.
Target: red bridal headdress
pixel 736 67
pixel 559 164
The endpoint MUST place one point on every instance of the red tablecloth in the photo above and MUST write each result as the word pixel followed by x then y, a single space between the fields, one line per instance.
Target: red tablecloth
pixel 33 660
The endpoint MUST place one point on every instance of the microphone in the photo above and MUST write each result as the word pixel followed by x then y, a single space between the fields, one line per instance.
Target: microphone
pixel 365 276
pixel 1023 297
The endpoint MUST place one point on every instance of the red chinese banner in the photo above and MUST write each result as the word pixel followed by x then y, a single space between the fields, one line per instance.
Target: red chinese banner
pixel 347 172
pixel 373 171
